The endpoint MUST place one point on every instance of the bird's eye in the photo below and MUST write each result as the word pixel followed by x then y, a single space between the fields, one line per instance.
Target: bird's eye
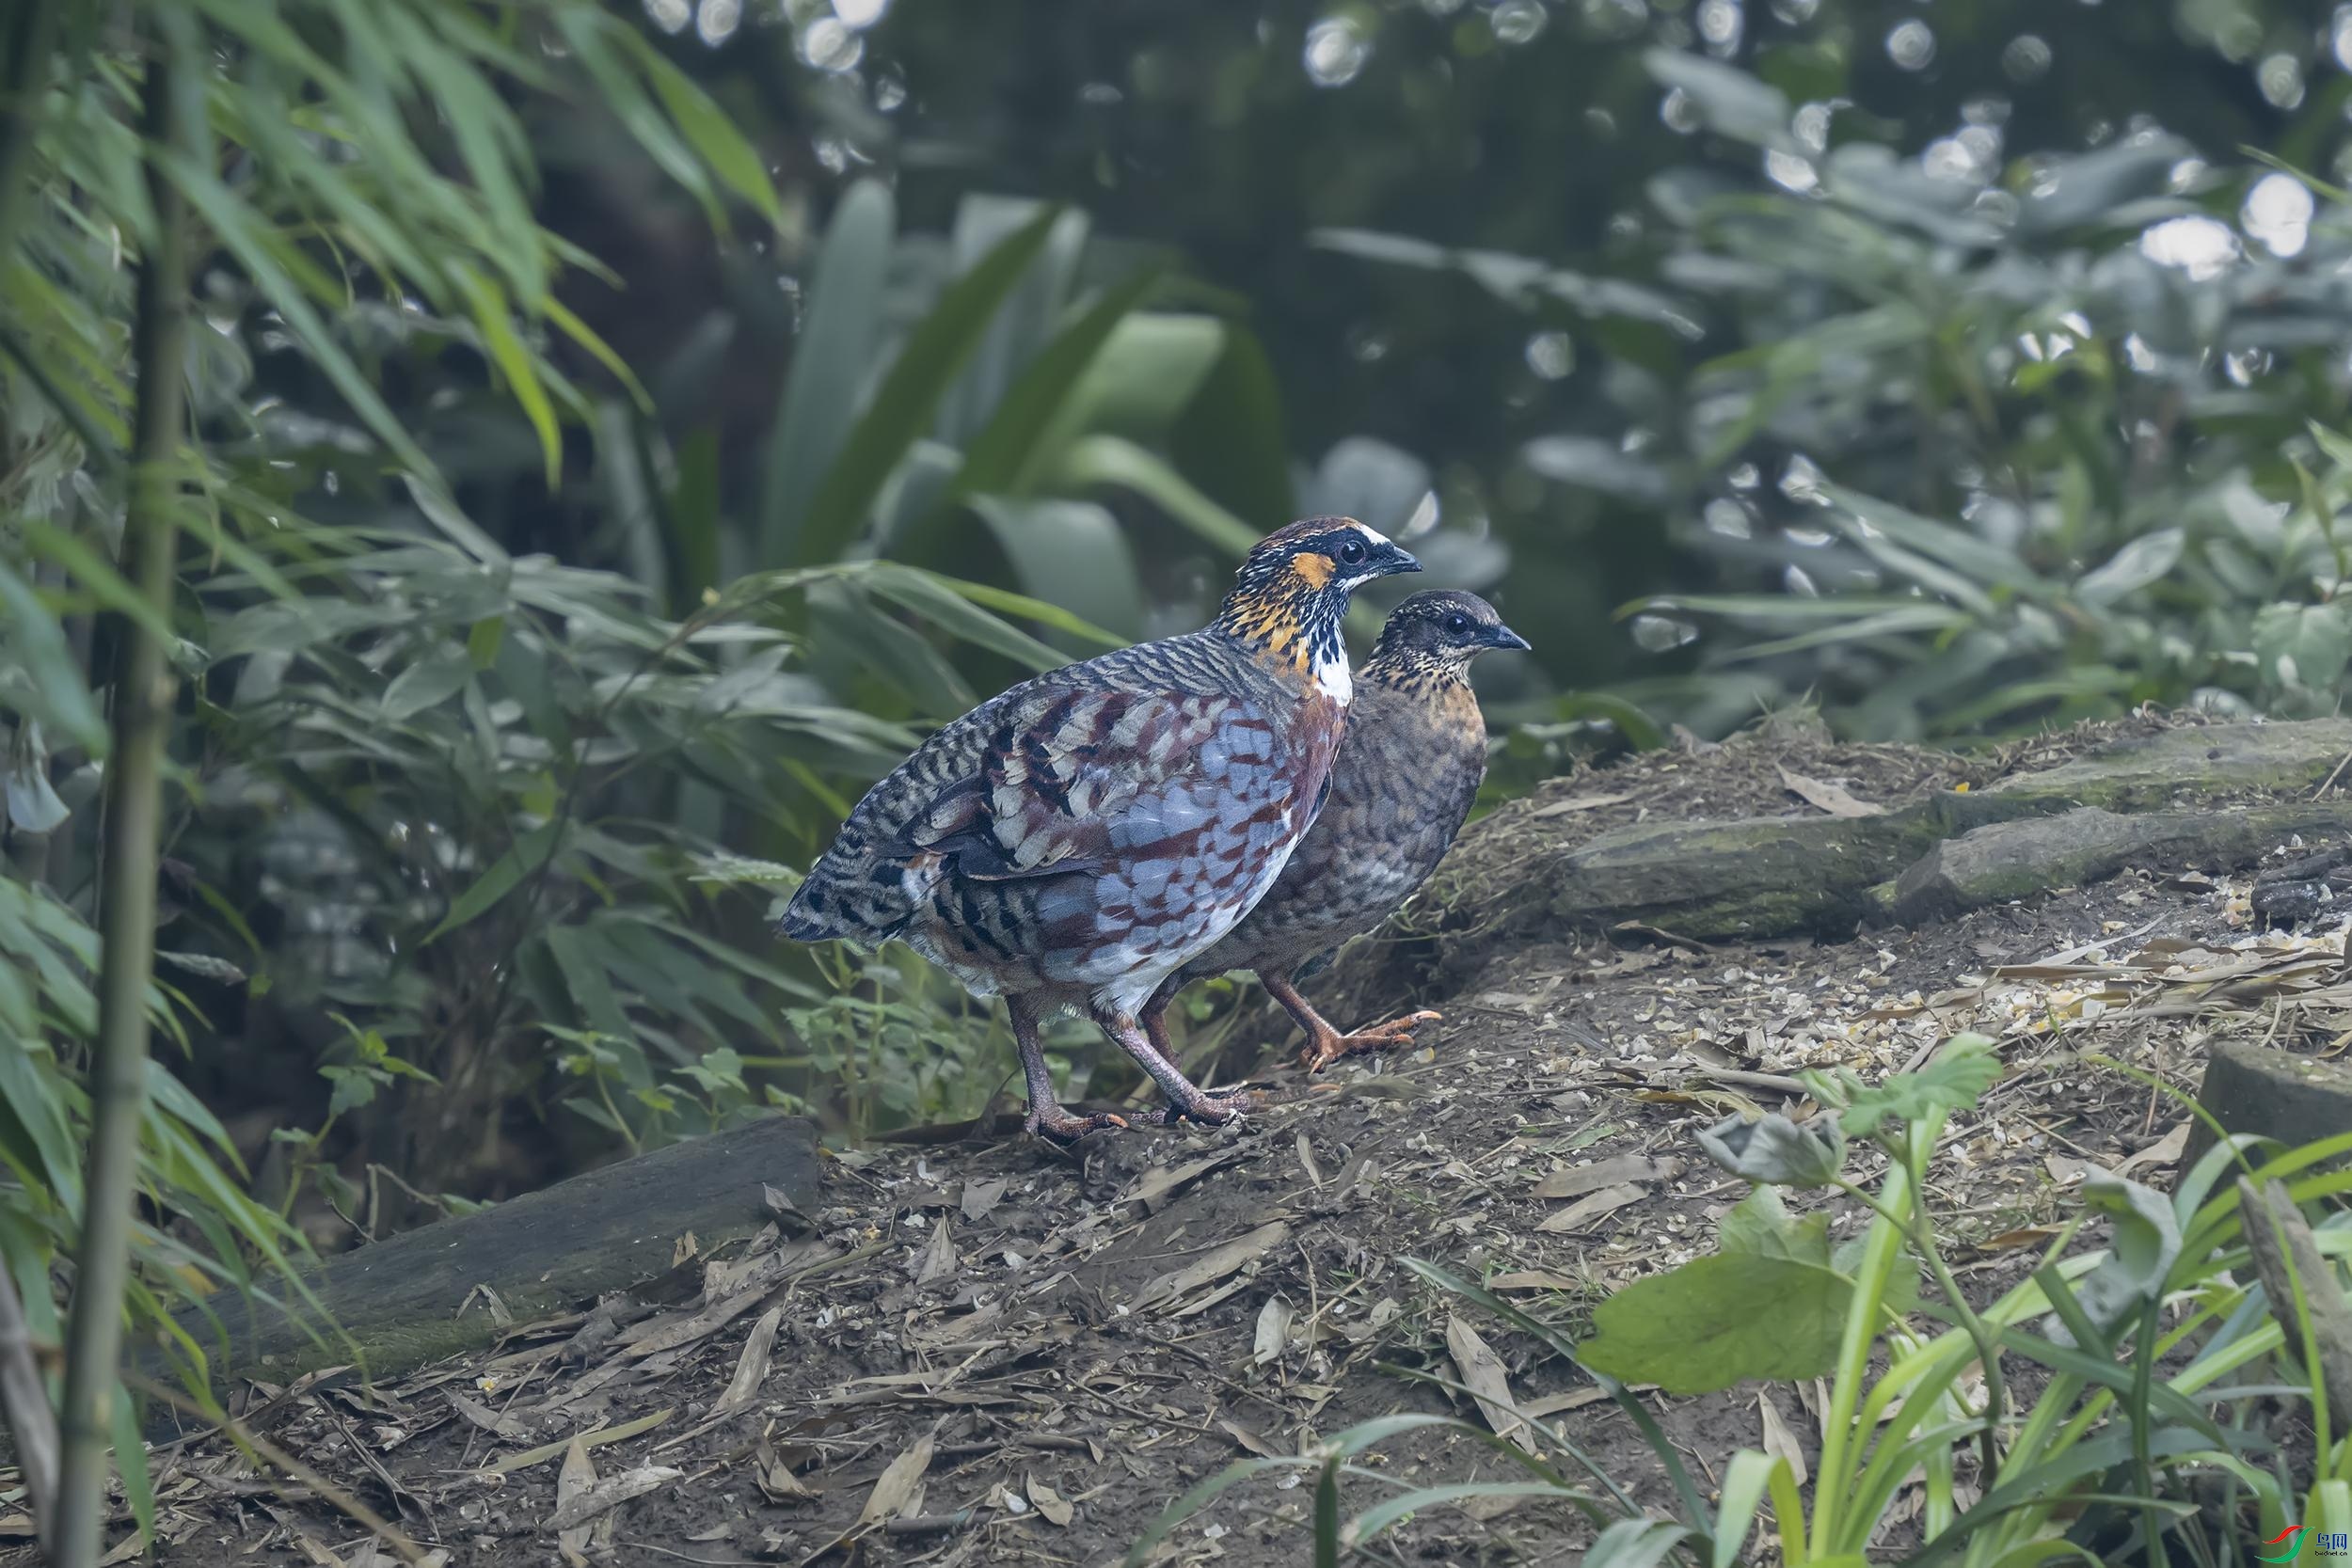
pixel 1457 624
pixel 1352 553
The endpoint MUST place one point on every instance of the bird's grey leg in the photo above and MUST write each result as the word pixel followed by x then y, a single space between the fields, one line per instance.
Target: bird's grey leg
pixel 1186 1101
pixel 1154 1017
pixel 1324 1044
pixel 1047 1116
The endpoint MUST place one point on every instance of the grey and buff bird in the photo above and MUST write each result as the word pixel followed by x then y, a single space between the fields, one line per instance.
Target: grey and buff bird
pixel 1408 767
pixel 1073 842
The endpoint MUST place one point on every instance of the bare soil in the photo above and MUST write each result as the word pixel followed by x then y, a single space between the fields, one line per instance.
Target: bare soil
pixel 981 1351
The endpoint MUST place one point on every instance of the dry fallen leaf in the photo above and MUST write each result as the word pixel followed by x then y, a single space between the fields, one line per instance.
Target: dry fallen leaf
pixel 1580 1179
pixel 1830 798
pixel 901 1480
pixel 1154 1187
pixel 1050 1502
pixel 1274 1330
pixel 602 1496
pixel 1215 1266
pixel 938 1259
pixel 1530 1279
pixel 979 1198
pixel 1779 1442
pixel 1477 1368
pixel 1248 1440
pixel 1593 1205
pixel 751 1368
pixel 1578 802
pixel 488 1419
pixel 685 1251
pixel 572 1483
pixel 2164 1152
pixel 2029 1235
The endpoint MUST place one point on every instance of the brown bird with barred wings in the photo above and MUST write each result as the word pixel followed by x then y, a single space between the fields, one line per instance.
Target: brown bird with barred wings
pixel 1409 765
pixel 1071 844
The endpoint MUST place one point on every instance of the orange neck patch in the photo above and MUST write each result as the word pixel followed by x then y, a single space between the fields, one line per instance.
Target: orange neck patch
pixel 1314 569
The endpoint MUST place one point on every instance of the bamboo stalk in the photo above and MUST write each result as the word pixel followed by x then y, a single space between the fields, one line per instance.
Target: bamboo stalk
pixel 143 700
pixel 25 1406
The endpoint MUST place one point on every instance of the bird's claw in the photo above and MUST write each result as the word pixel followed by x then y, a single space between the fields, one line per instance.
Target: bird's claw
pixel 1381 1036
pixel 1058 1126
pixel 1208 1109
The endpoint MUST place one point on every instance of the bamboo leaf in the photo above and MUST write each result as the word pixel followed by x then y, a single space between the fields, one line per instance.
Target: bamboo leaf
pixel 734 160
pixel 909 393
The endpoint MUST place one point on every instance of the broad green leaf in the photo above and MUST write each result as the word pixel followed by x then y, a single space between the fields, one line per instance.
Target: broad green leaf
pixel 1776 1150
pixel 433 678
pixel 1072 554
pixel 1012 448
pixel 1635 1543
pixel 903 404
pixel 1025 322
pixel 2146 1241
pixel 1728 99
pixel 1760 1224
pixel 1966 1067
pixel 2146 559
pixel 1149 371
pixel 829 361
pixel 1640 730
pixel 1719 1320
pixel 1980 561
pixel 529 852
pixel 1113 460
pixel 2303 645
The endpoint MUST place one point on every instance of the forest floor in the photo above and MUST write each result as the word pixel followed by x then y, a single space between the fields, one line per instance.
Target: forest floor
pixel 983 1351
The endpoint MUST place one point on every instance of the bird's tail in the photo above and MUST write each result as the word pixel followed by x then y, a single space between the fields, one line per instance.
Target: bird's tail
pixel 849 895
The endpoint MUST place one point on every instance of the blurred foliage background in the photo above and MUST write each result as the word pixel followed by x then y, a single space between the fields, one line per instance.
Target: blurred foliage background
pixel 616 432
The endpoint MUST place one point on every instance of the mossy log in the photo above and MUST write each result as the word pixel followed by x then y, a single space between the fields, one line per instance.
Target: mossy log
pixel 1777 875
pixel 420 1296
pixel 2016 860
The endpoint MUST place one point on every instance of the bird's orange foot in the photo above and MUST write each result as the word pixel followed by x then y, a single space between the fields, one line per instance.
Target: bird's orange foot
pixel 1321 1054
pixel 1055 1125
pixel 1210 1110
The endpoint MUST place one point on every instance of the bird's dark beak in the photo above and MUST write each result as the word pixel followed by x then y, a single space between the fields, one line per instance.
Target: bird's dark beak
pixel 1387 560
pixel 1503 637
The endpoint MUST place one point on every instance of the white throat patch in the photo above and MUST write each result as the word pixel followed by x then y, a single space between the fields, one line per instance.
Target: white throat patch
pixel 1334 677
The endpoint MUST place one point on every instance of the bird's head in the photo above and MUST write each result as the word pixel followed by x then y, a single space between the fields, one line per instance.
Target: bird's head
pixel 1434 636
pixel 1291 595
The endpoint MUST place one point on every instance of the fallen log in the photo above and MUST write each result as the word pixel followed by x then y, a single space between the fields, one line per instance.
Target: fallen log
pixel 2215 796
pixel 457 1284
